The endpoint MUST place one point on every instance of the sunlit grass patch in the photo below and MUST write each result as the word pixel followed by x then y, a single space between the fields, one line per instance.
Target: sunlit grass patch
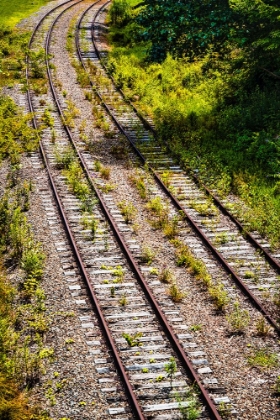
pixel 12 11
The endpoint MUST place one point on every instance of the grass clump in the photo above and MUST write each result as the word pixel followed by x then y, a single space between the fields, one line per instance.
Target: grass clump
pixel 263 358
pixel 127 210
pixel 219 295
pixel 166 275
pixel 175 293
pixel 104 171
pixel 262 327
pixel 238 318
pixel 139 182
pixel 147 255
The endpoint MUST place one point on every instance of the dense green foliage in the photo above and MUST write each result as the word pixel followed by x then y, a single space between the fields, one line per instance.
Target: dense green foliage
pixel 16 135
pixel 185 27
pixel 192 28
pixel 13 45
pixel 216 108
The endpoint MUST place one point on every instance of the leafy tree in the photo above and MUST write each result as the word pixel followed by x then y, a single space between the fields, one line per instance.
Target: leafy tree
pixel 260 33
pixel 192 28
pixel 185 27
pixel 119 12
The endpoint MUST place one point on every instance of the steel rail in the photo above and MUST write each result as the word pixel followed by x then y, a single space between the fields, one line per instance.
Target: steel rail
pixel 110 341
pixel 136 408
pixel 259 306
pixel 143 283
pixel 273 262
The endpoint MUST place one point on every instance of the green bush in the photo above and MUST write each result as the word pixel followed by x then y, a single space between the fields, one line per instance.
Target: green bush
pixel 119 12
pixel 16 134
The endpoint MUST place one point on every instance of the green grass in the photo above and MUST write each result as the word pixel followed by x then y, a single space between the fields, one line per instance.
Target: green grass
pixel 13 11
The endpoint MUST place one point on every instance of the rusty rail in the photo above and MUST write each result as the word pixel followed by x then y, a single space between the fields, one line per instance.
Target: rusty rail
pixel 133 264
pixel 110 341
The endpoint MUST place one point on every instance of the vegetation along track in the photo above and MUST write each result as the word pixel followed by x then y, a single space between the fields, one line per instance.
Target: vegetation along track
pixel 251 267
pixel 108 273
pixel 159 348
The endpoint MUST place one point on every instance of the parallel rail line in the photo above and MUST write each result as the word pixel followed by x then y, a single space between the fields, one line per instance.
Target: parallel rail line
pixel 269 257
pixel 136 407
pixel 128 133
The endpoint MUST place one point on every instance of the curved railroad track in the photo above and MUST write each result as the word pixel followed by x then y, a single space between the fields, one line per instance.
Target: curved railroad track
pixel 271 257
pixel 141 326
pixel 242 257
pixel 143 317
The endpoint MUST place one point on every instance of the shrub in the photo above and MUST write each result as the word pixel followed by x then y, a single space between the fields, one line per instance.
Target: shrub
pixel 75 179
pixel 119 12
pixel 64 158
pixel 32 262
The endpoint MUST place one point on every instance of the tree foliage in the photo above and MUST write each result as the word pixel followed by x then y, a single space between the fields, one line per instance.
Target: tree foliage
pixel 191 28
pixel 185 27
pixel 259 32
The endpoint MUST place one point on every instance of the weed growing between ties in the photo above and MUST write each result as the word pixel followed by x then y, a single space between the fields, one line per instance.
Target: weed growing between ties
pixel 134 339
pixel 217 113
pixel 189 406
pixel 184 257
pixel 76 180
pixel 171 368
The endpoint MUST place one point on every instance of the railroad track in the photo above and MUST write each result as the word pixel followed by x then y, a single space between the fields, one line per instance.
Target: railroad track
pixel 141 340
pixel 255 238
pixel 253 269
